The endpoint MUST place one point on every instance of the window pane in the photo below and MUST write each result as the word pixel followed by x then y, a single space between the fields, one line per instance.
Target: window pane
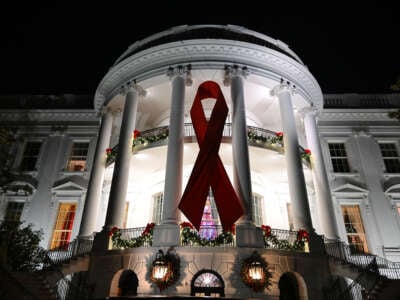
pixel 257 209
pixel 354 228
pixel 390 157
pixel 339 160
pixel 31 154
pixel 14 211
pixel 78 157
pixel 157 207
pixel 64 223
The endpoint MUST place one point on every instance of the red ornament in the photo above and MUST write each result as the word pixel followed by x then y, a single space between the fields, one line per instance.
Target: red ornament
pixel 307 151
pixel 302 235
pixel 267 230
pixel 279 134
pixel 136 133
pixel 113 230
pixel 186 224
pixel 208 169
pixel 149 228
pixel 108 151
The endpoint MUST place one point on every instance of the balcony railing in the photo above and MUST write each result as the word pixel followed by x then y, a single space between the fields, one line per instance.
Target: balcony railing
pixel 155 137
pixel 211 236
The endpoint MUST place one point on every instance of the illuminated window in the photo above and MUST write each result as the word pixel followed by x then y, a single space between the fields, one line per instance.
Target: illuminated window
pixel 354 228
pixel 14 211
pixel 207 283
pixel 30 156
pixel 390 157
pixel 157 207
pixel 257 209
pixel 77 159
pixel 63 228
pixel 126 212
pixel 339 160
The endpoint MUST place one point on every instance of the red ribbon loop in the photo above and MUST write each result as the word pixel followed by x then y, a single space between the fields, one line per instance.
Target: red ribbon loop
pixel 208 169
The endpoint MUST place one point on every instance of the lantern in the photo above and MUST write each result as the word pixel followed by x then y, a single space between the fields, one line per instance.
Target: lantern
pixel 256 270
pixel 160 266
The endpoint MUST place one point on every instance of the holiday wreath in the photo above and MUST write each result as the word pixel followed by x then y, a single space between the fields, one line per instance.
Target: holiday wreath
pixel 263 279
pixel 171 262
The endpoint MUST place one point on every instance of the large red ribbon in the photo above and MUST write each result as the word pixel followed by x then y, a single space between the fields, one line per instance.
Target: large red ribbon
pixel 208 169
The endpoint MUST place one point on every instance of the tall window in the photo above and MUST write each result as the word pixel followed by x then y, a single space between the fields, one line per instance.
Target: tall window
pixel 157 207
pixel 126 212
pixel 78 156
pixel 339 160
pixel 14 211
pixel 390 157
pixel 63 228
pixel 354 228
pixel 257 209
pixel 30 157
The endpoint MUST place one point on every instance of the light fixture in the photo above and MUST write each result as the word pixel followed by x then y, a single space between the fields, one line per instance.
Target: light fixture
pixel 160 265
pixel 256 270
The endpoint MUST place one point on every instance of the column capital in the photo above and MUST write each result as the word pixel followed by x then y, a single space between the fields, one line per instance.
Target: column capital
pixel 283 86
pixel 234 70
pixel 183 71
pixel 132 86
pixel 309 111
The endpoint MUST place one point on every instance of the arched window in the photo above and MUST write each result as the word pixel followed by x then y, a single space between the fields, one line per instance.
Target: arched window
pixel 207 283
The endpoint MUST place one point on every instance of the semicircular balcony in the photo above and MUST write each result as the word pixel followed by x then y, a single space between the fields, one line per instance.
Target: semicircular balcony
pixel 156 137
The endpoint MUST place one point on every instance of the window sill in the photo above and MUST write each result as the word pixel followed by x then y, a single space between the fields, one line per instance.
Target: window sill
pixel 391 175
pixel 70 173
pixel 347 174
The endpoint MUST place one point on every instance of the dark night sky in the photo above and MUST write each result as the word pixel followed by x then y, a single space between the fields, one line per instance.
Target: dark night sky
pixel 68 49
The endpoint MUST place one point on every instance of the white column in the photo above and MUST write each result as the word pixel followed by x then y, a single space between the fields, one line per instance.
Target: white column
pixel 297 187
pixel 119 183
pixel 325 209
pixel 167 234
pixel 93 196
pixel 247 235
pixel 240 149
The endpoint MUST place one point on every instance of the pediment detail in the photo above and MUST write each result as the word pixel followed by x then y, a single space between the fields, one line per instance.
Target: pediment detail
pixel 349 188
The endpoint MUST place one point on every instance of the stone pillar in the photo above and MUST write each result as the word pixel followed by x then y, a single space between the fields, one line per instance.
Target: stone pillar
pixel 93 196
pixel 119 183
pixel 297 187
pixel 167 233
pixel 247 235
pixel 325 209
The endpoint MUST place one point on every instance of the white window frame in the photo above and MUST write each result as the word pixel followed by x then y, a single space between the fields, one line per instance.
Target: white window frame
pixel 396 148
pixel 69 154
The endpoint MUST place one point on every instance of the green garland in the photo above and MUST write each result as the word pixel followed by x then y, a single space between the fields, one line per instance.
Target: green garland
pixel 148 139
pixel 270 238
pixel 277 139
pixel 146 238
pixel 191 237
pixel 256 285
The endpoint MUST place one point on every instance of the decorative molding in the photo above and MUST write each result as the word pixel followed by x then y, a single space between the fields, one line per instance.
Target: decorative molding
pixel 234 70
pixel 183 71
pixel 27 116
pixel 203 53
pixel 347 115
pixel 284 86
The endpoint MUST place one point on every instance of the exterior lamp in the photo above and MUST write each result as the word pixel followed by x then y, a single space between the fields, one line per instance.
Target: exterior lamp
pixel 160 266
pixel 256 271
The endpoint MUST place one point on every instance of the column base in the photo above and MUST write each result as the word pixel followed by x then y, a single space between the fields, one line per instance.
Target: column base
pixel 166 235
pixel 316 243
pixel 101 242
pixel 248 235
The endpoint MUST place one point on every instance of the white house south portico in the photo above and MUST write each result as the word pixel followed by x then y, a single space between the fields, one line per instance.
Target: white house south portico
pixel 217 159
